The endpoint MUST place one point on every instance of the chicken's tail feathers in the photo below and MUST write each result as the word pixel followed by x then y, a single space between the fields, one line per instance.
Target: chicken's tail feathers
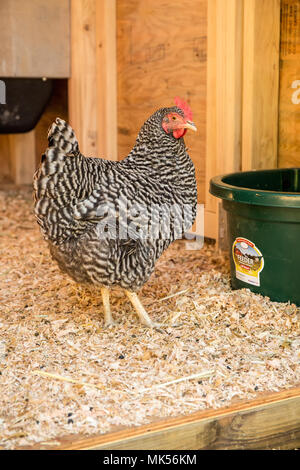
pixel 62 136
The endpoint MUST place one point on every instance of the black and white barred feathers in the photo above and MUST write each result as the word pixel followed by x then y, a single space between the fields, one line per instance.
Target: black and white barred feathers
pixel 108 222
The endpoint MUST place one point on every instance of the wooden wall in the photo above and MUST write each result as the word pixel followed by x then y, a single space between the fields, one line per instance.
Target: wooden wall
pixel 289 96
pixel 130 57
pixel 161 53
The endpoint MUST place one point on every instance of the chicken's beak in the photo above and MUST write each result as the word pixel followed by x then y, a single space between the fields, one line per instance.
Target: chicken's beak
pixel 190 125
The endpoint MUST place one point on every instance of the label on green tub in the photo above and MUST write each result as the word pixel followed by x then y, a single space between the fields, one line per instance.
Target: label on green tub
pixel 248 260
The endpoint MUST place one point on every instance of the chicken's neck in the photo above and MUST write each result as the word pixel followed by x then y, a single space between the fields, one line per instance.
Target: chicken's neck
pixel 167 159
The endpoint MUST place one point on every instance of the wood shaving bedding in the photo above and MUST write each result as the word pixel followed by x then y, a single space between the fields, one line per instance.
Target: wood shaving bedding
pixel 63 373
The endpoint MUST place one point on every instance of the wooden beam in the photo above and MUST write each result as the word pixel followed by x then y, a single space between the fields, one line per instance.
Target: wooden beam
pixel 260 83
pixel 92 86
pixel 272 420
pixel 229 85
pixel 82 84
pixel 106 37
pixel 224 98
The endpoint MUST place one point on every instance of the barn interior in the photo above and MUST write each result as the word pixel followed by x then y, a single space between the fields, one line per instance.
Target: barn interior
pixel 222 370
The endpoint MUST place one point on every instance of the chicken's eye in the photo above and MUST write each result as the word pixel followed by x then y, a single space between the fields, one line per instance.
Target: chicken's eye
pixel 174 118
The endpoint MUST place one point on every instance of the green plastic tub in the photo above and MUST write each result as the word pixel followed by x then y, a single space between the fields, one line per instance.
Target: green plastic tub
pixel 263 215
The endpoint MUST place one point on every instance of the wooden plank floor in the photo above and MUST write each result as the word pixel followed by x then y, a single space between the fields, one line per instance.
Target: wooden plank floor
pixel 271 421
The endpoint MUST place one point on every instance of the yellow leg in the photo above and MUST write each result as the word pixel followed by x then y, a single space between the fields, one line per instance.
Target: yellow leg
pixel 143 315
pixel 108 320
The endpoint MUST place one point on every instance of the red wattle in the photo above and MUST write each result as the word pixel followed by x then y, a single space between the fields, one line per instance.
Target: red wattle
pixel 177 133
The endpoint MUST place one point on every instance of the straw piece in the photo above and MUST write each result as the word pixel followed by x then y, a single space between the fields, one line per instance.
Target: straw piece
pixel 65 379
pixel 201 375
pixel 174 295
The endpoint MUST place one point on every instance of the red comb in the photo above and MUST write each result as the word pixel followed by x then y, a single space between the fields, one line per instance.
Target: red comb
pixel 185 108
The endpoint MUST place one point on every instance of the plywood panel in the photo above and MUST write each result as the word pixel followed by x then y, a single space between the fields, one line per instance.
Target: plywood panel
pixel 161 51
pixel 34 38
pixel 289 98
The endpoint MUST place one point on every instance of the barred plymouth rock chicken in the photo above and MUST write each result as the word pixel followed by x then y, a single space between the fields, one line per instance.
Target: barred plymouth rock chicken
pixel 107 222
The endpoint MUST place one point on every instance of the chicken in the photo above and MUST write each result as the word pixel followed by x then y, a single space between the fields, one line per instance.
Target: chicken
pixel 107 222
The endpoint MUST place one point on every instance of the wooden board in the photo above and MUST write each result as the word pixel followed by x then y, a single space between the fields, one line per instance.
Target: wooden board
pixel 270 421
pixel 106 59
pixel 92 86
pixel 289 97
pixel 260 84
pixel 82 84
pixel 34 38
pixel 161 53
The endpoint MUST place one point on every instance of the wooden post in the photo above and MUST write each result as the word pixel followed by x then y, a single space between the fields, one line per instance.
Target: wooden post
pixel 92 86
pixel 260 83
pixel 106 37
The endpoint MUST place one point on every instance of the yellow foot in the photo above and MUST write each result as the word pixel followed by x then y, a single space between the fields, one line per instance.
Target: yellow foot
pixel 108 320
pixel 143 315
